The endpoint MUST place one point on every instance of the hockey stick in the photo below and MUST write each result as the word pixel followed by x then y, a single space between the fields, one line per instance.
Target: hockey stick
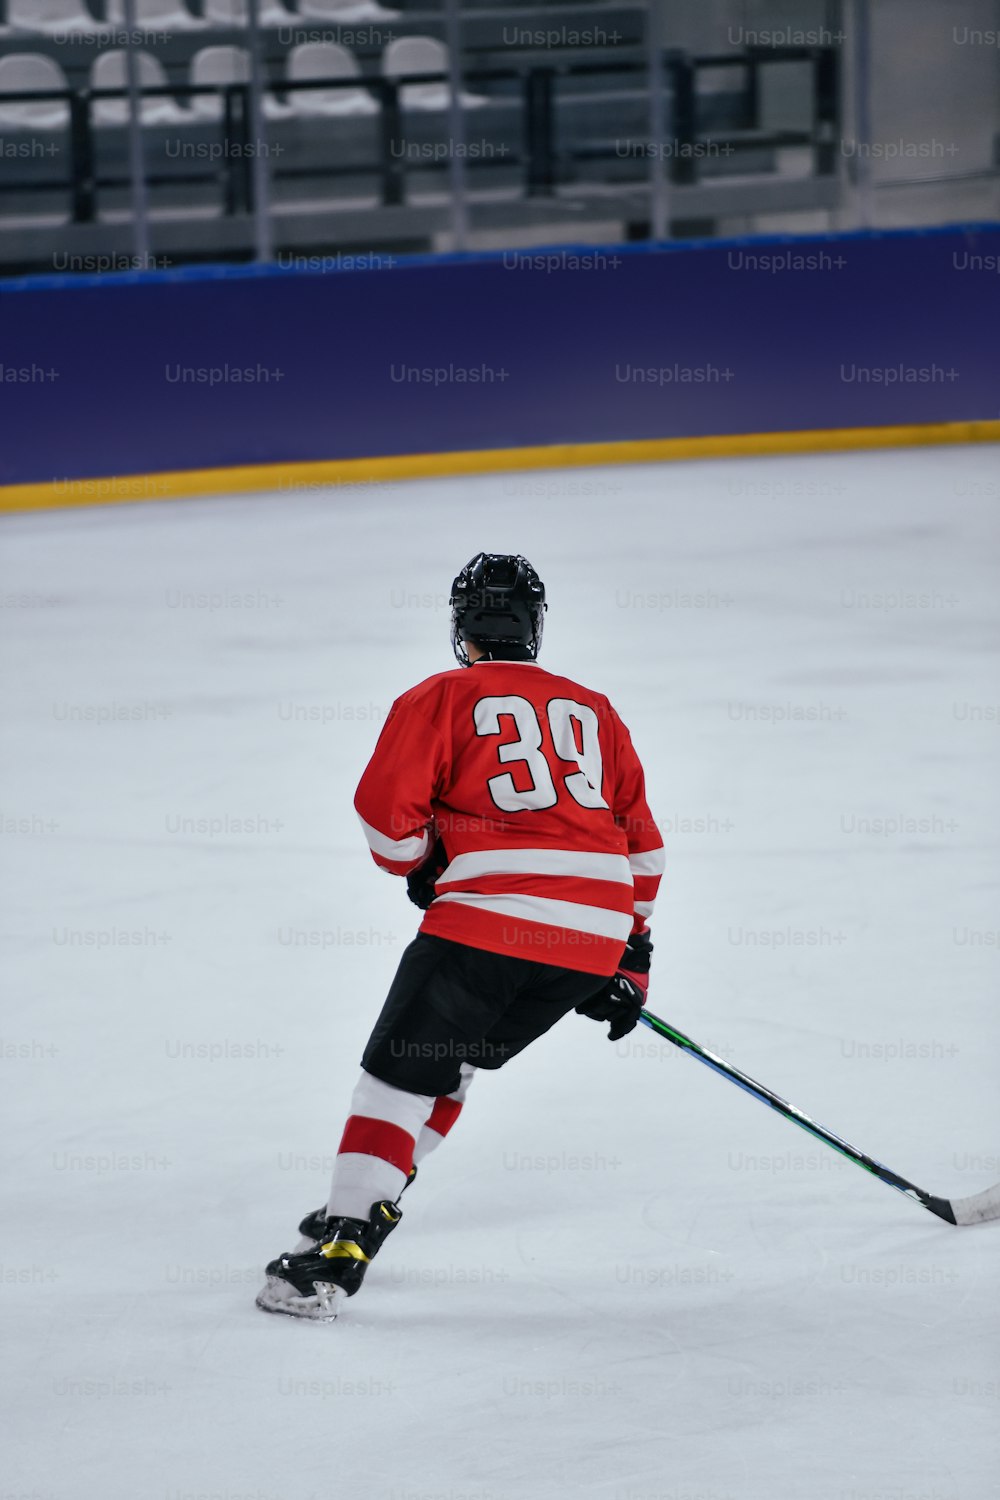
pixel 975 1210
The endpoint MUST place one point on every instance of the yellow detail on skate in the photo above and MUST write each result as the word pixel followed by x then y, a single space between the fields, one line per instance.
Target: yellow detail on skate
pixel 343 1250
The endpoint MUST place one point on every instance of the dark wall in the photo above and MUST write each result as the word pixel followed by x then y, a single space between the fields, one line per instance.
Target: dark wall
pixel 113 375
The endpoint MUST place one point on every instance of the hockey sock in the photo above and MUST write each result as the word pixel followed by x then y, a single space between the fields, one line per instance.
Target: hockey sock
pixel 376 1150
pixel 447 1108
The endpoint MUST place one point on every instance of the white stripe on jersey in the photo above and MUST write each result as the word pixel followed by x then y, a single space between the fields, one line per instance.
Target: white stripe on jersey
pixel 649 863
pixel 566 862
pixel 596 920
pixel 644 908
pixel 414 847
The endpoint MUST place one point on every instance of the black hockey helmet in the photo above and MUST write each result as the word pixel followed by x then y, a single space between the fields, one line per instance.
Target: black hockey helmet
pixel 498 601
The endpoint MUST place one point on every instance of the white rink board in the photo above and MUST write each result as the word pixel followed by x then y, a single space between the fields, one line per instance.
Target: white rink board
pixel 620 1277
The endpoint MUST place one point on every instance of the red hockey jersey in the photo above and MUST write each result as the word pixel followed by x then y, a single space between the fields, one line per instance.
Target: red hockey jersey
pixel 533 786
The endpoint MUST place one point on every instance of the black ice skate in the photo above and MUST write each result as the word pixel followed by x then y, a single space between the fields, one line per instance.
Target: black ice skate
pixel 313 1225
pixel 314 1283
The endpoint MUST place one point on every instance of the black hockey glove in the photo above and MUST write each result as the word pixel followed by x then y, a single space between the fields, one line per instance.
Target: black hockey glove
pixel 624 995
pixel 420 882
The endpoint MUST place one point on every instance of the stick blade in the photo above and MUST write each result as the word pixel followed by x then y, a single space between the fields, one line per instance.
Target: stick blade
pixel 979 1209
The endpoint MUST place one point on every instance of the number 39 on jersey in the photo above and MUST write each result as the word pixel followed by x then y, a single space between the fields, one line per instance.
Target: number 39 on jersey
pixel 573 731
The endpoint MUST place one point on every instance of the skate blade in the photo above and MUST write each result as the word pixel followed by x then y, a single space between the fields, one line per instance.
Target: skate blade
pixel 278 1297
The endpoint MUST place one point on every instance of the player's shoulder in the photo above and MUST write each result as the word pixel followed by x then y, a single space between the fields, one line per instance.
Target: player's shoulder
pixel 557 684
pixel 426 695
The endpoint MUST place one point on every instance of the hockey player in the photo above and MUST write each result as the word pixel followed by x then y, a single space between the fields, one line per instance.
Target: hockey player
pixel 512 801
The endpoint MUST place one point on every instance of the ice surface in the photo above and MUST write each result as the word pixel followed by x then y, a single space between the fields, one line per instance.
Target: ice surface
pixel 620 1277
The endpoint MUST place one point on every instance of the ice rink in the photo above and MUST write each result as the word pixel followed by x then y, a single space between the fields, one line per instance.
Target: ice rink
pixel 620 1277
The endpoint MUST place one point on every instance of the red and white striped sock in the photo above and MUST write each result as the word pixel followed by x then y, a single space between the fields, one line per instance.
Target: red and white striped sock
pixel 376 1151
pixel 447 1108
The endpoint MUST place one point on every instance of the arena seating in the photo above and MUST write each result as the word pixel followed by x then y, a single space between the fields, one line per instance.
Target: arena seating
pixel 234 13
pixel 50 15
pixel 156 15
pixel 221 66
pixel 422 54
pixel 109 72
pixel 346 12
pixel 314 61
pixel 358 125
pixel 30 72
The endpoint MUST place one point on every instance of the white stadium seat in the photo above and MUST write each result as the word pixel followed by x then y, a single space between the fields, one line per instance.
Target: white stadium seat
pixel 226 65
pixel 50 15
pixel 109 72
pixel 345 10
pixel 422 54
pixel 21 72
pixel 234 13
pixel 327 60
pixel 157 15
